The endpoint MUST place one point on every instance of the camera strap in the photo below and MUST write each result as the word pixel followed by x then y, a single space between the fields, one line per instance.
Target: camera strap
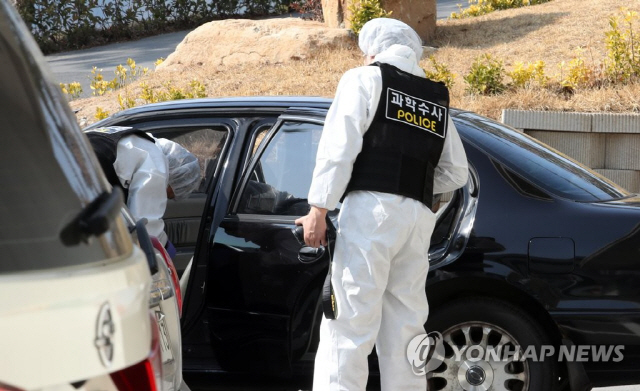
pixel 329 306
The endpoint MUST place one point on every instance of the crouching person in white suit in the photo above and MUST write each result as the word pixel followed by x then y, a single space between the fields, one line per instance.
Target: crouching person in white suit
pixel 387 147
pixel 148 170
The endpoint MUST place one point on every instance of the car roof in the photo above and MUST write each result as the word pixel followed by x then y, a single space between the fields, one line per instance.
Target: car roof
pixel 279 103
pixel 292 105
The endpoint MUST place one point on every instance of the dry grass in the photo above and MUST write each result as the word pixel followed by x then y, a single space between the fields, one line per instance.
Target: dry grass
pixel 550 32
pixel 318 76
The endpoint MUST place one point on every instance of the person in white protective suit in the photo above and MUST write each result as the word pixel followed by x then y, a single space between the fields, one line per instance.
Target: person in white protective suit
pixel 388 145
pixel 148 170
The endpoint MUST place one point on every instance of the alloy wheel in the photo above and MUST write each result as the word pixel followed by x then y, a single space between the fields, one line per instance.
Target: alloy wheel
pixel 480 357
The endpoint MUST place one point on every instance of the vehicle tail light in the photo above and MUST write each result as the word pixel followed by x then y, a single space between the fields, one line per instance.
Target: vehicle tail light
pixel 172 269
pixel 5 387
pixel 147 374
pixel 161 287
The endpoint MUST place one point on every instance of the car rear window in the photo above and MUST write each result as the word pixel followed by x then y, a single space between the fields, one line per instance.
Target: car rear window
pixel 543 166
pixel 47 174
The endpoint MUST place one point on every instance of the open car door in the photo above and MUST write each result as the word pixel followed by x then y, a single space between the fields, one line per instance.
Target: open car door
pixel 261 299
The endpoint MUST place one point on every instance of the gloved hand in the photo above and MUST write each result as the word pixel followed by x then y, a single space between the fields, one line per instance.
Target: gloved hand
pixel 171 250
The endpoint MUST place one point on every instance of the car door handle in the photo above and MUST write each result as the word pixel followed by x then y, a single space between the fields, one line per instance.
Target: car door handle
pixel 310 254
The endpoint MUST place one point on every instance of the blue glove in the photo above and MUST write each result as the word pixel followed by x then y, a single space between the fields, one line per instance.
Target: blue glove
pixel 171 250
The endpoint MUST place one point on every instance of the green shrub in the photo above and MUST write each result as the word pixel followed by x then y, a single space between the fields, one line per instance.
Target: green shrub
pixel 170 92
pixel 363 11
pixel 125 101
pixel 101 114
pixel 481 7
pixel 71 24
pixel 123 77
pixel 485 76
pixel 72 90
pixel 440 73
pixel 576 74
pixel 525 75
pixel 623 49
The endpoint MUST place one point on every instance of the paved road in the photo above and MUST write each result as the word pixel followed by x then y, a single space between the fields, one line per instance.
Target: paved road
pixel 73 66
pixel 446 7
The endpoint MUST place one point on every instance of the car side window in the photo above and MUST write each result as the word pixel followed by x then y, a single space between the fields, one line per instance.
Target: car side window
pixel 261 133
pixel 280 179
pixel 205 143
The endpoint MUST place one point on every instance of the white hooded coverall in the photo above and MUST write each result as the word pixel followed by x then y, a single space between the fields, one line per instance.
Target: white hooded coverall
pixel 143 169
pixel 381 262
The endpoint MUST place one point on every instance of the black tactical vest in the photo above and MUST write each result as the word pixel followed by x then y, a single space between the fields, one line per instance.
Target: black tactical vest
pixel 402 147
pixel 105 144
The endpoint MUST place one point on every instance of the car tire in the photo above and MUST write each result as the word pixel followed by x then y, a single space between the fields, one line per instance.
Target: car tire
pixel 468 324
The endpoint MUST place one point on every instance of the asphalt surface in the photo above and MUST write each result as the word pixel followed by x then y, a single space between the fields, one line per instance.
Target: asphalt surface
pixel 76 66
pixel 446 7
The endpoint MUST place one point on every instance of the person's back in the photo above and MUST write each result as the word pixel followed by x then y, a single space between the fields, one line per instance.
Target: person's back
pixel 387 147
pixel 149 171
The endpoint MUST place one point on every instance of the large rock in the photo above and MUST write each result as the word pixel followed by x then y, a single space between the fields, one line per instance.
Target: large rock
pixel 336 13
pixel 239 41
pixel 419 14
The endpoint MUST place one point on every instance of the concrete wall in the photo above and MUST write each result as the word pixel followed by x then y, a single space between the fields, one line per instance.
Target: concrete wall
pixel 608 143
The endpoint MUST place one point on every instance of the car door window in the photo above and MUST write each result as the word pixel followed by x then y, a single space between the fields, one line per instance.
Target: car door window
pixel 281 176
pixel 182 217
pixel 261 133
pixel 205 143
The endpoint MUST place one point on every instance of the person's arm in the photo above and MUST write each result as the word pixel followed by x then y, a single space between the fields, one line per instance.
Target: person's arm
pixel 347 120
pixel 452 171
pixel 142 168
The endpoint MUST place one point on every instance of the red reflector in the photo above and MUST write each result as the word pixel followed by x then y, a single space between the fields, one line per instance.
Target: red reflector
pixel 174 274
pixel 139 377
pixel 147 374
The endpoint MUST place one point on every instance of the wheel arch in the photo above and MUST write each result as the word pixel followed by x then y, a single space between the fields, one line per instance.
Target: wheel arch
pixel 441 292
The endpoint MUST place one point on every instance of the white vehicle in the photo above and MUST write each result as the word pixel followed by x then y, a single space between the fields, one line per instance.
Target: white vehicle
pixel 74 288
pixel 166 301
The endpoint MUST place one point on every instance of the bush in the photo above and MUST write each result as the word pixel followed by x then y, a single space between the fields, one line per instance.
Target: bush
pixel 481 7
pixel 126 75
pixel 485 76
pixel 123 77
pixel 440 73
pixel 149 95
pixel 71 90
pixel 524 76
pixel 310 9
pixel 623 49
pixel 363 11
pixel 101 114
pixel 576 74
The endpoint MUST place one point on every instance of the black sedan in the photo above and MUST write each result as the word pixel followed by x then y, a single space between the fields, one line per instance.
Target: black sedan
pixel 536 254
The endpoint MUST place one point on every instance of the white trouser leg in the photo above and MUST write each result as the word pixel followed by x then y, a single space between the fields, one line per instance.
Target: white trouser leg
pixel 373 230
pixel 405 307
